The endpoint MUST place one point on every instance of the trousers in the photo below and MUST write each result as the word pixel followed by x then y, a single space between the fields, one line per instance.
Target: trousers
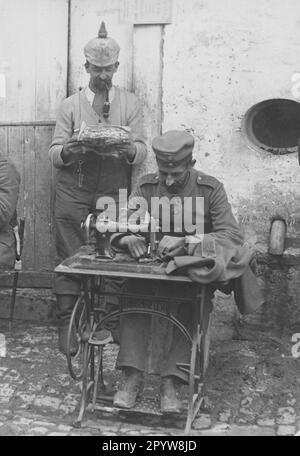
pixel 136 330
pixel 72 206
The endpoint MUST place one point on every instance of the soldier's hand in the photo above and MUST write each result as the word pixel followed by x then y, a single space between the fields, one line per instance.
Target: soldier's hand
pixel 135 244
pixel 70 150
pixel 170 246
pixel 128 149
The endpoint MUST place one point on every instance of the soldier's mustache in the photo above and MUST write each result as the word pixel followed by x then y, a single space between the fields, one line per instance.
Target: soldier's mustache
pixel 102 83
pixel 175 187
pixel 178 184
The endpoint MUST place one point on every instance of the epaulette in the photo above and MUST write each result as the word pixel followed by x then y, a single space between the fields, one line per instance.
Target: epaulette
pixel 205 179
pixel 149 179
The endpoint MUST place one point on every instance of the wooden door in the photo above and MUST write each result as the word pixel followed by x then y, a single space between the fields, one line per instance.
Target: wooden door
pixel 41 62
pixel 140 59
pixel 140 71
pixel 33 81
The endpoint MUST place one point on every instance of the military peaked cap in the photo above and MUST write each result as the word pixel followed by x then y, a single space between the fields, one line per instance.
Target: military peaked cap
pixel 173 149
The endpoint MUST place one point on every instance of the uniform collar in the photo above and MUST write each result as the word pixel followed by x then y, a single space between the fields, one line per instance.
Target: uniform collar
pixel 90 94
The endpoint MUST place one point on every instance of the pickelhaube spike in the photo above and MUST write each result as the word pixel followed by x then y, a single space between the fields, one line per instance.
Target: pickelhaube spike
pixel 102 31
pixel 102 50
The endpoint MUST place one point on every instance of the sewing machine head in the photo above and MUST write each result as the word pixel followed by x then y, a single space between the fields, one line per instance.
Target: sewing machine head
pixel 99 230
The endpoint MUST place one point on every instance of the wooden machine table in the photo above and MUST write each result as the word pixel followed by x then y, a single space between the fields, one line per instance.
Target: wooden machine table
pixel 86 320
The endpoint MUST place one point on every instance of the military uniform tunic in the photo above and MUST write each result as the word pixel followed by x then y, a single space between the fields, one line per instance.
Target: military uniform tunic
pixel 220 223
pixel 82 182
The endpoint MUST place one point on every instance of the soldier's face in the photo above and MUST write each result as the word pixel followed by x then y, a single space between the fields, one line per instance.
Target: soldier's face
pixel 101 77
pixel 174 181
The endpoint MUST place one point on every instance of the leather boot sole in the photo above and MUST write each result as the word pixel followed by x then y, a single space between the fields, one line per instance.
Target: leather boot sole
pixel 125 400
pixel 170 406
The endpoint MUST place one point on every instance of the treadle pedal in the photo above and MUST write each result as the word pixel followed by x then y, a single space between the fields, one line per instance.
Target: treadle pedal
pixel 186 369
pixel 144 405
pixel 103 341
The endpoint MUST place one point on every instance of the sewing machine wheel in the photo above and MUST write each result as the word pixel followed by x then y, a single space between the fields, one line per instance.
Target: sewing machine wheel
pixel 78 324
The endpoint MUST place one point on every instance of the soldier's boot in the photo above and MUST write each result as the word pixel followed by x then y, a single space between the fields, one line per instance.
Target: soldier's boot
pixel 169 402
pixel 132 386
pixel 64 307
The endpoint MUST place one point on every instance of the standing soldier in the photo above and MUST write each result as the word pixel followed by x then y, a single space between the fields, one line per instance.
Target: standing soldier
pixel 84 177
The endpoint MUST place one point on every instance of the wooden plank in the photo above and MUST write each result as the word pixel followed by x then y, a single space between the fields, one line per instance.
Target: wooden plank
pixel 86 18
pixel 51 56
pixel 3 141
pixel 33 50
pixel 43 222
pixel 29 196
pixel 27 279
pixel 28 148
pixel 75 269
pixel 20 149
pixel 34 64
pixel 148 41
pixel 147 86
pixel 28 123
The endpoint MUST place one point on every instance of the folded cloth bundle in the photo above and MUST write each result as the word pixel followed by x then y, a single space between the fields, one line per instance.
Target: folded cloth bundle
pixel 225 264
pixel 103 136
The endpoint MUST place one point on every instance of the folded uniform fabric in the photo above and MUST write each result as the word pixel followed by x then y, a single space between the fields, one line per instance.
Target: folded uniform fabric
pixel 223 263
pixel 184 264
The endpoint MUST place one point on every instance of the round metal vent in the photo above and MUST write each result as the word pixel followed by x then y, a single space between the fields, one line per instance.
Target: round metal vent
pixel 273 125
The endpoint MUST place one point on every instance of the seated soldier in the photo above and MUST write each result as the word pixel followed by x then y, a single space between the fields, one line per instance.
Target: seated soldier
pixel 176 179
pixel 9 192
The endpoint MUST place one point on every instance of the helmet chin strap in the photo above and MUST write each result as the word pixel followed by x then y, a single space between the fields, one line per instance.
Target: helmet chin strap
pixel 106 106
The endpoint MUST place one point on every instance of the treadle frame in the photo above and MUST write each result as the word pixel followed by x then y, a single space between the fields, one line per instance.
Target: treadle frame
pixel 85 318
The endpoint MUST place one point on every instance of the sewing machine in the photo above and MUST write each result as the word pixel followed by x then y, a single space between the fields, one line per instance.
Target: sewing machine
pixel 95 262
pixel 99 230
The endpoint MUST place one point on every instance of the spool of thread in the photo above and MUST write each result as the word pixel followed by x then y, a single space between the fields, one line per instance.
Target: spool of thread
pixel 277 237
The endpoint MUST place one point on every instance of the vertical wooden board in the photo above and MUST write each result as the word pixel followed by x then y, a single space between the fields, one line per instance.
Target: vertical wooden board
pixel 3 140
pixel 147 57
pixel 28 148
pixel 51 56
pixel 43 217
pixel 29 196
pixel 147 78
pixel 29 184
pixel 86 18
pixel 17 60
pixel 33 57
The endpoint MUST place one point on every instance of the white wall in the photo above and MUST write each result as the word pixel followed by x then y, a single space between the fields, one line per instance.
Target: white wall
pixel 220 58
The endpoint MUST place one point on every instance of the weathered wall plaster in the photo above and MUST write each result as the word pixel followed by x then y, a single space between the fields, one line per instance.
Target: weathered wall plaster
pixel 220 58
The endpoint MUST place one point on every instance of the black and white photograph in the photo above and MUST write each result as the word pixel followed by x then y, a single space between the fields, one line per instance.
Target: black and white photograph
pixel 149 221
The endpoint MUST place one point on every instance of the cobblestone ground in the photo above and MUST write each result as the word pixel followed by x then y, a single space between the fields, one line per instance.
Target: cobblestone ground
pixel 252 389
